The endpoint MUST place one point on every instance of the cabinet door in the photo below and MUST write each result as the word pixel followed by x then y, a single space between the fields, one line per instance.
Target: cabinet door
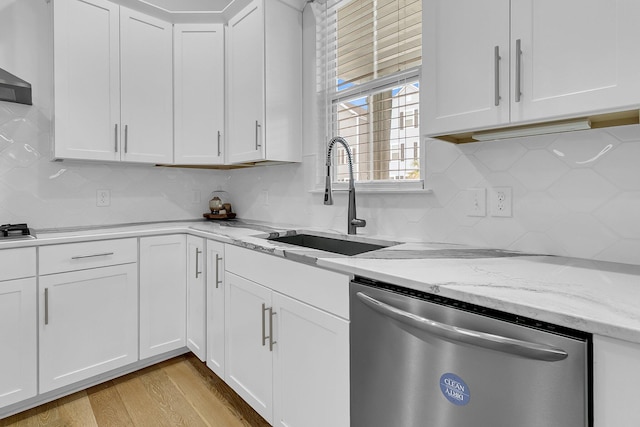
pixel 311 366
pixel 87 79
pixel 215 307
pixel 578 56
pixel 18 365
pixel 199 93
pixel 465 85
pixel 146 56
pixel 615 367
pixel 196 298
pixel 245 85
pixel 163 294
pixel 248 357
pixel 88 323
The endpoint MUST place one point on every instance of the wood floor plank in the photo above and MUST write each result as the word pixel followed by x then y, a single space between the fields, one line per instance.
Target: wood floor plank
pixel 108 407
pixel 178 392
pixel 213 410
pixel 223 392
pixel 170 400
pixel 75 411
pixel 138 403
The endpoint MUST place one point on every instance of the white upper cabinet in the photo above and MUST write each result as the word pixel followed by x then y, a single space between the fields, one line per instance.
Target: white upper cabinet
pixel 146 57
pixel 578 57
pixel 113 83
pixel 87 79
pixel 264 83
pixel 199 94
pixel 523 61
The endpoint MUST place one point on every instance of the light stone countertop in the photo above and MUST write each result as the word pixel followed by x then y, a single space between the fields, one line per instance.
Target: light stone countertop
pixel 598 297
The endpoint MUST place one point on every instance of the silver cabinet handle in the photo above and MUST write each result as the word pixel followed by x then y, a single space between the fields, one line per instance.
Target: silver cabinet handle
pixel 264 324
pixel 198 252
pixel 218 281
pixel 480 339
pixel 46 306
pixel 92 256
pixel 218 143
pixel 126 138
pixel 258 126
pixel 496 64
pixel 518 69
pixel 116 138
pixel 271 341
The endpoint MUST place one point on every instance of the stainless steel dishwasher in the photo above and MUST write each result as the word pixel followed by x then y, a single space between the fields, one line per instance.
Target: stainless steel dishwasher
pixel 418 359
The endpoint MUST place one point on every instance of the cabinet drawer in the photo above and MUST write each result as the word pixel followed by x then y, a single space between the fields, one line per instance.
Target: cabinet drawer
pixel 17 263
pixel 321 288
pixel 81 256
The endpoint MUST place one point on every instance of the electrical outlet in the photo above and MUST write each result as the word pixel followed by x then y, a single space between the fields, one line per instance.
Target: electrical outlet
pixel 501 202
pixel 476 202
pixel 103 198
pixel 265 197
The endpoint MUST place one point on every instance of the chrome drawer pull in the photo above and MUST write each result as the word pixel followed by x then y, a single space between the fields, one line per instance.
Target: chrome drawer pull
pixel 126 138
pixel 46 306
pixel 496 59
pixel 271 341
pixel 218 281
pixel 264 322
pixel 92 256
pixel 258 126
pixel 518 69
pixel 198 252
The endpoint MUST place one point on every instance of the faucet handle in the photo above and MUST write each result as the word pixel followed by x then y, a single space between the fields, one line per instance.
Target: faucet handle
pixel 358 222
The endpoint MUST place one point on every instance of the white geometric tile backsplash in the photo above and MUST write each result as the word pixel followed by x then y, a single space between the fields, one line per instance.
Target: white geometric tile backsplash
pixel 575 194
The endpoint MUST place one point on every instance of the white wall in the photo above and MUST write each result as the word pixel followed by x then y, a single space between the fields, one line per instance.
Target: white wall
pixel 60 194
pixel 568 198
pixel 575 194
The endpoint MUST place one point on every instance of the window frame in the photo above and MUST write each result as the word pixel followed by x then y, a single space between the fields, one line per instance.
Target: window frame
pixel 332 97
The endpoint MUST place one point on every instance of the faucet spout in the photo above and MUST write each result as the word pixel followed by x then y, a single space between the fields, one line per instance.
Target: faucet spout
pixel 352 222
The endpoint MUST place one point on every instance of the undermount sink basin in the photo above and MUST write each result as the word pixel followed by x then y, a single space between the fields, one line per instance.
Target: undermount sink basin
pixel 330 244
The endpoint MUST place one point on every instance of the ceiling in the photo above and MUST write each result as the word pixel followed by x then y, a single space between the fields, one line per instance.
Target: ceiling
pixel 215 6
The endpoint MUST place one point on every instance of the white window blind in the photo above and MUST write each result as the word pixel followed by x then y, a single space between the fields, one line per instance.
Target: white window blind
pixel 370 60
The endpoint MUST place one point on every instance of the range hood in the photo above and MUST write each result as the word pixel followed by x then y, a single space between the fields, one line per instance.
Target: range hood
pixel 14 89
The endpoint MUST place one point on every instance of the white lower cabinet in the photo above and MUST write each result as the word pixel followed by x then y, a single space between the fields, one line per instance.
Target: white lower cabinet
pixel 18 313
pixel 288 359
pixel 163 294
pixel 310 366
pixel 215 307
pixel 196 298
pixel 88 323
pixel 248 358
pixel 615 374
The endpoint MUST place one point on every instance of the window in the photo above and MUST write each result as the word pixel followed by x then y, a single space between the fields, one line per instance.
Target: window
pixel 370 65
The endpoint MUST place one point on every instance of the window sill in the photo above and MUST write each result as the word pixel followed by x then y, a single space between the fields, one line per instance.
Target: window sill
pixel 380 188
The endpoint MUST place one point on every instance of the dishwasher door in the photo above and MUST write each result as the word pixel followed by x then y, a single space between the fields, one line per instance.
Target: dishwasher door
pixel 421 363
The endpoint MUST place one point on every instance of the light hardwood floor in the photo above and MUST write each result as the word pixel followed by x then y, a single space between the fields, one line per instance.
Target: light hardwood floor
pixel 179 392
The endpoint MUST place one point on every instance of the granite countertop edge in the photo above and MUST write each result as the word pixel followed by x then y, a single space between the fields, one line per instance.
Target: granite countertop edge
pixel 601 298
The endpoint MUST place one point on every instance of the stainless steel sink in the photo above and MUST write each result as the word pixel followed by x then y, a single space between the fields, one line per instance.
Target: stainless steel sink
pixel 330 244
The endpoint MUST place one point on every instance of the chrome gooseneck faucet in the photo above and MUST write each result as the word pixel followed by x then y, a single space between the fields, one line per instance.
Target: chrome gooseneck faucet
pixel 353 222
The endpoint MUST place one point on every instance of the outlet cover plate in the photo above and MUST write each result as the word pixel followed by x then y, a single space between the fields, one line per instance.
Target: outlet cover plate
pixel 103 198
pixel 501 202
pixel 476 202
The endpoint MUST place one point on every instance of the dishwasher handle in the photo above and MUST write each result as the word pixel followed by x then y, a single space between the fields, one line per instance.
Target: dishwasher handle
pixel 481 339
